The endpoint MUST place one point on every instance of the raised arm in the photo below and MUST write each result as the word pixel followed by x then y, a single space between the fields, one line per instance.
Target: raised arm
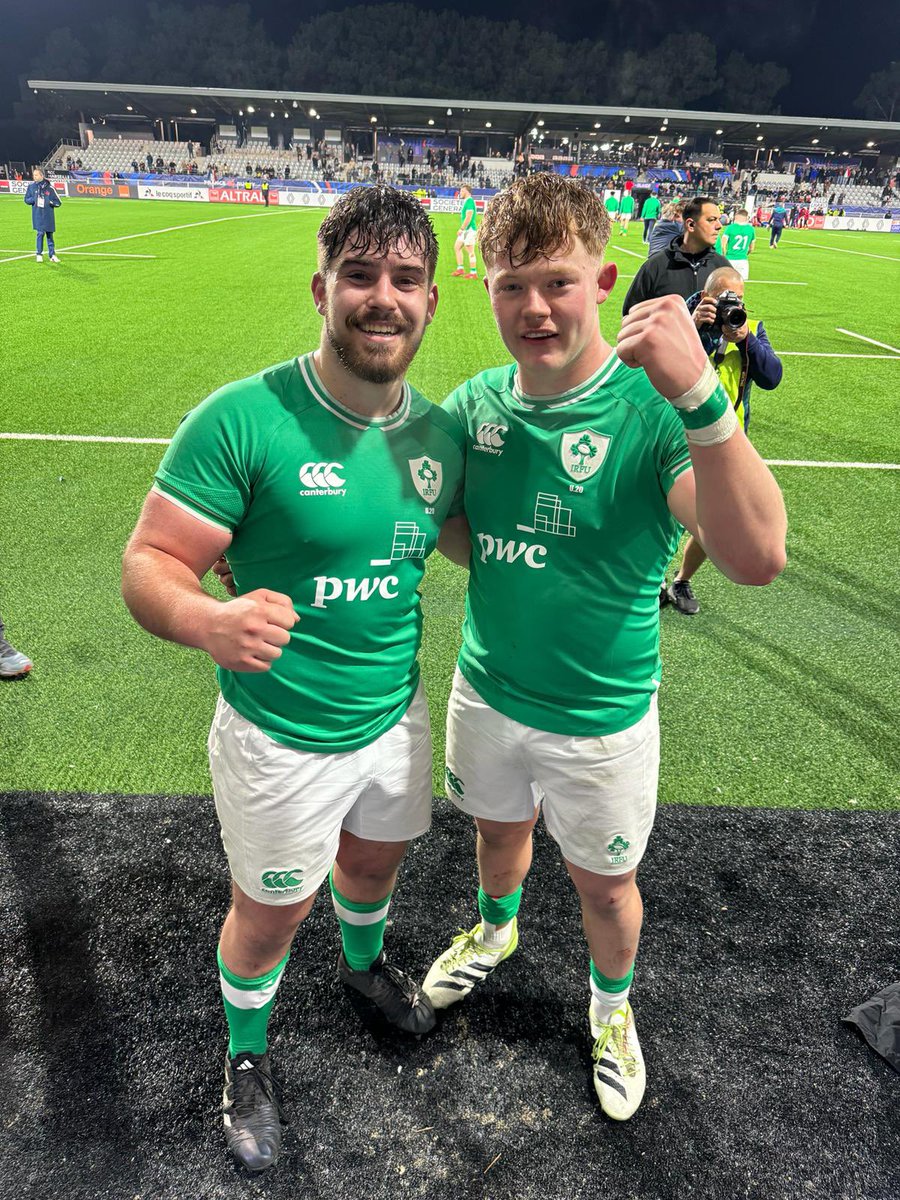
pixel 730 501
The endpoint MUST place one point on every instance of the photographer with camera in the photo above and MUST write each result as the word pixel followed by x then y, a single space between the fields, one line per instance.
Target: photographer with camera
pixel 741 355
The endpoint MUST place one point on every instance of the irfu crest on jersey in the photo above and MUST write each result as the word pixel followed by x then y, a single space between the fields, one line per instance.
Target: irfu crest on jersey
pixel 427 477
pixel 583 453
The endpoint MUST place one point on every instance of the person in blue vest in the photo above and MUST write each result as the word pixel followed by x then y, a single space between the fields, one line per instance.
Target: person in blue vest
pixel 41 195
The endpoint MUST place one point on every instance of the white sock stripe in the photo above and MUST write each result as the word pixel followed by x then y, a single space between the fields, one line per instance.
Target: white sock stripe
pixel 247 999
pixel 614 999
pixel 358 918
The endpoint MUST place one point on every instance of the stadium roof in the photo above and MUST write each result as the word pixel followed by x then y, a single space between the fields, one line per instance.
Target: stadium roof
pixel 814 135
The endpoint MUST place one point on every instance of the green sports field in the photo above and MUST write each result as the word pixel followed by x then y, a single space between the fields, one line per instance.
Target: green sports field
pixel 782 696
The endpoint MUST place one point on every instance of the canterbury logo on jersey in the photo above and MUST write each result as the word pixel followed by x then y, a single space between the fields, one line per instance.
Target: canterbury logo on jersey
pixel 322 479
pixel 282 881
pixel 489 438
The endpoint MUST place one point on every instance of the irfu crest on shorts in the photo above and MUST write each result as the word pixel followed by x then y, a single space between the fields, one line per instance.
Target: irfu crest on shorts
pixel 583 453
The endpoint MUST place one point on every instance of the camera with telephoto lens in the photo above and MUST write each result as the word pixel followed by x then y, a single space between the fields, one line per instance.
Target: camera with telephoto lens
pixel 730 314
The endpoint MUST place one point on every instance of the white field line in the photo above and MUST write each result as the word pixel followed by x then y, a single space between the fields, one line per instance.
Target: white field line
pixel 780 282
pixel 803 462
pixel 136 441
pixel 825 354
pixel 616 246
pixel 150 233
pixel 841 250
pixel 80 254
pixel 862 337
pixel 82 437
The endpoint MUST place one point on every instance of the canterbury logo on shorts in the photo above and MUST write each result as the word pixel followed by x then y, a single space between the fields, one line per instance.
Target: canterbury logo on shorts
pixel 282 881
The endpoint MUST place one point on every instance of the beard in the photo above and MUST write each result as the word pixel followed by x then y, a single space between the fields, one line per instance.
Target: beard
pixel 374 363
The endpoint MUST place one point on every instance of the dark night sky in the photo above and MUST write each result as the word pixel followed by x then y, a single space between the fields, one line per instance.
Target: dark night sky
pixel 829 46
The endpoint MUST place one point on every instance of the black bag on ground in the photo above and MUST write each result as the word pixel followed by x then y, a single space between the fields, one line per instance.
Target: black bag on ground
pixel 878 1020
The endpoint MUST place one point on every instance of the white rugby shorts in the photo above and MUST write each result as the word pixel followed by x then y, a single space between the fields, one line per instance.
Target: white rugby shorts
pixel 598 794
pixel 281 810
pixel 742 266
pixel 467 236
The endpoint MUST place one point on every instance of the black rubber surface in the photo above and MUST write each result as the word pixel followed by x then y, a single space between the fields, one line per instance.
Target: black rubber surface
pixel 762 930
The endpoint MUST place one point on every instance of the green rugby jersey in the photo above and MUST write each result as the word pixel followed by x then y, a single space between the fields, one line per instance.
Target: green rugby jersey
pixel 626 208
pixel 611 204
pixel 571 535
pixel 737 240
pixel 336 511
pixel 469 206
pixel 650 208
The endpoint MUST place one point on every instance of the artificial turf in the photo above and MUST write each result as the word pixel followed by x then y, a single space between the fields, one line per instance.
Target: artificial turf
pixel 776 696
pixel 763 930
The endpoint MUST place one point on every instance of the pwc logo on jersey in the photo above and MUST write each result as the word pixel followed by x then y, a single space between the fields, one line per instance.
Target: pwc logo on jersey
pixel 322 479
pixel 583 453
pixel 489 438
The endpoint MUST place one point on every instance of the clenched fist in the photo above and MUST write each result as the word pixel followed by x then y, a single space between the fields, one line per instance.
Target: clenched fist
pixel 660 336
pixel 247 634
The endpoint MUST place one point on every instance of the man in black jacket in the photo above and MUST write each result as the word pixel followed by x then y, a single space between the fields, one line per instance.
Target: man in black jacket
pixel 685 265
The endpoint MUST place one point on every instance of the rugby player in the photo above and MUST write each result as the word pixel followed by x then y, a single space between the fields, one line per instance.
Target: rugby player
pixel 583 463
pixel 327 479
pixel 468 232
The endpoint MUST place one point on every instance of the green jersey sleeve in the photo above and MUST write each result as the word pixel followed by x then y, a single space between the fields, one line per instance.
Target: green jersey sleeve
pixel 215 455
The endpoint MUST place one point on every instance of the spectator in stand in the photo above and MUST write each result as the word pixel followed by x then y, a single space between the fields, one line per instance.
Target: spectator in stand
pixel 649 215
pixel 776 224
pixel 13 664
pixel 685 265
pixel 134 166
pixel 669 226
pixel 43 200
pixel 190 149
pixel 264 188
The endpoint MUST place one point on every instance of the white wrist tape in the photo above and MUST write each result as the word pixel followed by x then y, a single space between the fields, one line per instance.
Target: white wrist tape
pixel 719 431
pixel 700 392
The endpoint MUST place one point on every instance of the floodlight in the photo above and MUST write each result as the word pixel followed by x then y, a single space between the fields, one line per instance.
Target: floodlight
pixel 250 108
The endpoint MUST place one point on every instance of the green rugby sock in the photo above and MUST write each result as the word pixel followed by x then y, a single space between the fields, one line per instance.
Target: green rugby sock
pixel 499 909
pixel 248 1004
pixel 362 927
